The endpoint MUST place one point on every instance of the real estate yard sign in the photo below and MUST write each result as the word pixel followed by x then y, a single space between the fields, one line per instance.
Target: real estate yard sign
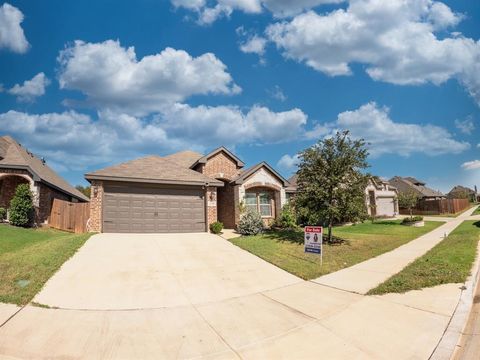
pixel 313 239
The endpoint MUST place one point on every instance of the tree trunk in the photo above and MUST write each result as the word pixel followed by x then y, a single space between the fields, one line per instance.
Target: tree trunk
pixel 330 225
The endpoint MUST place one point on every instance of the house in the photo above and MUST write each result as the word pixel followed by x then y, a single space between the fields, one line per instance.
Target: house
pixel 462 192
pixel 182 192
pixel 410 184
pixel 19 166
pixel 381 198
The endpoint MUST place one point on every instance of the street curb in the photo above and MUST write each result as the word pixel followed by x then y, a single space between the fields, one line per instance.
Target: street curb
pixel 449 343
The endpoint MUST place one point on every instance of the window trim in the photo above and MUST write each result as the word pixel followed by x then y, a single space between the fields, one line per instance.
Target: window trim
pixel 271 204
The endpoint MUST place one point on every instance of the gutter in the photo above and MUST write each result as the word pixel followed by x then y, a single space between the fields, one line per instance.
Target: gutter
pixel 154 181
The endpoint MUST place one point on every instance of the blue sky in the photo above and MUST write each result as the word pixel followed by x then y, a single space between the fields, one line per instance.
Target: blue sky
pixel 91 83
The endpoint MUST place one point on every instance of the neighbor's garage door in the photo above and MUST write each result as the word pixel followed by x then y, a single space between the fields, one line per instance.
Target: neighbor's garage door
pixel 129 208
pixel 385 207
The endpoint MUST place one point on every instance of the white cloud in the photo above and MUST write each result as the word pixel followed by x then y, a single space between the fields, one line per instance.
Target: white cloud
pixel 465 126
pixel 112 77
pixel 11 33
pixel 74 141
pixel 30 89
pixel 471 165
pixel 254 45
pixel 395 39
pixel 373 123
pixel 210 12
pixel 288 163
pixel 231 125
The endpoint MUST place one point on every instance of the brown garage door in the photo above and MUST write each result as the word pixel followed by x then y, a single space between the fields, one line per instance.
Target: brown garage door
pixel 129 208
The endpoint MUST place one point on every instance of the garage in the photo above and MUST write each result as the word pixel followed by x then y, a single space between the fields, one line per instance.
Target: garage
pixel 151 195
pixel 138 208
pixel 386 206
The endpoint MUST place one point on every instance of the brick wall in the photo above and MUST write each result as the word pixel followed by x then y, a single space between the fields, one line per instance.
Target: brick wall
pixel 220 166
pixel 226 205
pixel 45 201
pixel 8 186
pixel 96 197
pixel 211 195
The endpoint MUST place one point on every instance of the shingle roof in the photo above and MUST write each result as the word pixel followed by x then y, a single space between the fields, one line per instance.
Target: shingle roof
pixel 153 169
pixel 292 184
pixel 185 158
pixel 406 183
pixel 13 155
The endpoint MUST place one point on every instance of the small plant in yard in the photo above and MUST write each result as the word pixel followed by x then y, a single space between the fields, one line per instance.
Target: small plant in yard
pixel 3 214
pixel 412 219
pixel 287 218
pixel 251 223
pixel 21 206
pixel 216 227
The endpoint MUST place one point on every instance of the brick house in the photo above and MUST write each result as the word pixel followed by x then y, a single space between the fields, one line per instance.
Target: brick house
pixel 182 192
pixel 19 166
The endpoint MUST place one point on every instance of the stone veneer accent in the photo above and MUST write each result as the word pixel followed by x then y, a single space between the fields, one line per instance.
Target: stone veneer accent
pixel 96 198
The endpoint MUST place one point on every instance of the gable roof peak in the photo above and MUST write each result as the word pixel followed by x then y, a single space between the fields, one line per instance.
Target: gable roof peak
pixel 234 157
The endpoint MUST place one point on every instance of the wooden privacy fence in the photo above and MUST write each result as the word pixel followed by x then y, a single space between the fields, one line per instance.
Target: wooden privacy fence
pixel 438 207
pixel 69 216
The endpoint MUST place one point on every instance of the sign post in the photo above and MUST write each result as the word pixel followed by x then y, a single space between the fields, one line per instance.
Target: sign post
pixel 314 241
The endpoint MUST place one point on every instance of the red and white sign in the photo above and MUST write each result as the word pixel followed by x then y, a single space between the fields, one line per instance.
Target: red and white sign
pixel 313 239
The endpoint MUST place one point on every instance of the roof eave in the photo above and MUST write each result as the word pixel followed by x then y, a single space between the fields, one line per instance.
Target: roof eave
pixel 214 183
pixel 246 175
pixel 37 178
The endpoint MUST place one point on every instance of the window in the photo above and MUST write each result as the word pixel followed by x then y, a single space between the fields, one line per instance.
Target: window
pixel 251 201
pixel 260 201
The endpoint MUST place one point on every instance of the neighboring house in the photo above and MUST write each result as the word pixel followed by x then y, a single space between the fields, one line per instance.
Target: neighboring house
pixel 19 166
pixel 462 192
pixel 381 198
pixel 182 192
pixel 410 184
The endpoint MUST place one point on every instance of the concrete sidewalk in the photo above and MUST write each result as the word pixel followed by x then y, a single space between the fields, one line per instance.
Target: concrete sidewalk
pixel 367 275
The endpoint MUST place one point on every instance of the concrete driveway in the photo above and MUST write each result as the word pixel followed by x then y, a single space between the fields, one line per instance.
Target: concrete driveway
pixel 198 296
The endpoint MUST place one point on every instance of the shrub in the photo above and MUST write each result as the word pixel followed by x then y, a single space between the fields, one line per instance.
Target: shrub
pixel 412 219
pixel 3 213
pixel 251 223
pixel 287 218
pixel 216 227
pixel 21 206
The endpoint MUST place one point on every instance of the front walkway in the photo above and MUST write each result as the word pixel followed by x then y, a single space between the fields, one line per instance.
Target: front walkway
pixel 369 274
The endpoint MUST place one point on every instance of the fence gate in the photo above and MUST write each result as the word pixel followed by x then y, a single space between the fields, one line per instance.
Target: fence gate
pixel 69 216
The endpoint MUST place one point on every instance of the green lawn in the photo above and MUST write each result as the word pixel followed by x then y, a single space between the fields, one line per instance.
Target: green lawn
pixel 363 241
pixel 28 258
pixel 477 212
pixel 448 262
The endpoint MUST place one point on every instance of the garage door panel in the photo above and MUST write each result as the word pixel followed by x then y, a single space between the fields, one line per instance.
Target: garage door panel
pixel 141 209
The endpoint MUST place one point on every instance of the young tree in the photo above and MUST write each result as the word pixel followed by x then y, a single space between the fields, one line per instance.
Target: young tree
pixel 408 200
pixel 21 206
pixel 85 190
pixel 331 185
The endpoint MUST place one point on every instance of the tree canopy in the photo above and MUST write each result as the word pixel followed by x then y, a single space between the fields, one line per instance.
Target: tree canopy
pixel 331 182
